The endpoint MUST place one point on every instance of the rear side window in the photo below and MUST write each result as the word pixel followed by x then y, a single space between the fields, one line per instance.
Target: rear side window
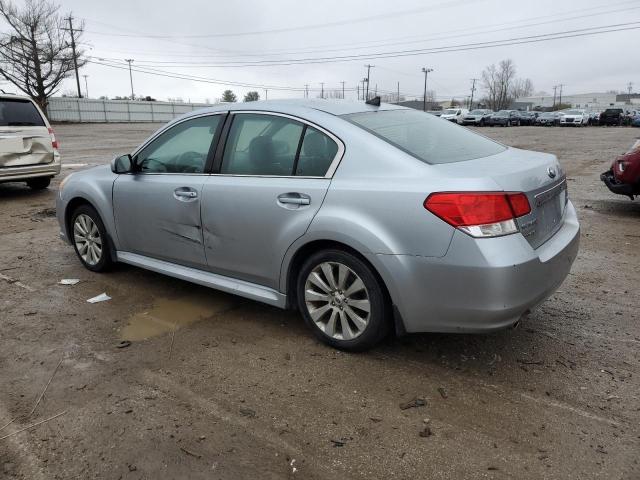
pixel 19 113
pixel 427 138
pixel 272 145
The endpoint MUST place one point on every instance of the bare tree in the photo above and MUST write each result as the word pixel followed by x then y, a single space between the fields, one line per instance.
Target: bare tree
pixel 522 87
pixel 36 53
pixel 502 87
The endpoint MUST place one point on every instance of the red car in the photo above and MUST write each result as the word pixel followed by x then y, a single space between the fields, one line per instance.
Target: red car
pixel 624 176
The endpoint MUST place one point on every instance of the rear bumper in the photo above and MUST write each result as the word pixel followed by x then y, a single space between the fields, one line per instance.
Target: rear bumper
pixel 620 188
pixel 480 285
pixel 15 174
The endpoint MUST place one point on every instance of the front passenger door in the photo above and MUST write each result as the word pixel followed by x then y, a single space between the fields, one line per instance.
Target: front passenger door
pixel 157 208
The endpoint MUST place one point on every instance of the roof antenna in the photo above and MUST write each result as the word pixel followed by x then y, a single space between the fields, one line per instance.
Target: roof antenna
pixel 375 101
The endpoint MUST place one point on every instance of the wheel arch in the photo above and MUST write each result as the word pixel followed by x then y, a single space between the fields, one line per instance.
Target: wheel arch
pixel 78 201
pixel 296 257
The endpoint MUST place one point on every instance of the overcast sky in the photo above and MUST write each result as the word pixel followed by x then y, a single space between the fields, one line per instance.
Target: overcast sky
pixel 213 32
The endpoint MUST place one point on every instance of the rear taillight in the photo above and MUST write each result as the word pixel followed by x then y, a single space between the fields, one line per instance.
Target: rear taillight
pixel 54 142
pixel 480 214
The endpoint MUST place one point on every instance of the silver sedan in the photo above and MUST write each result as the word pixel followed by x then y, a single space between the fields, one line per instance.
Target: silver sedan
pixel 367 219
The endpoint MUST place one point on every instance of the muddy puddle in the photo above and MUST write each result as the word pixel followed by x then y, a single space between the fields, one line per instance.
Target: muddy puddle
pixel 168 314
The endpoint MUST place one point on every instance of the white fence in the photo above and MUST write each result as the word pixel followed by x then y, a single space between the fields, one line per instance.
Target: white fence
pixel 81 110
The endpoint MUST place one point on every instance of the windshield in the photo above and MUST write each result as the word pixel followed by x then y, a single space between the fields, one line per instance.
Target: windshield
pixel 574 112
pixel 502 113
pixel 428 138
pixel 450 111
pixel 19 113
pixel 477 112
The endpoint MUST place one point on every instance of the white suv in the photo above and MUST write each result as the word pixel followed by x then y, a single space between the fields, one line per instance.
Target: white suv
pixel 28 147
pixel 454 114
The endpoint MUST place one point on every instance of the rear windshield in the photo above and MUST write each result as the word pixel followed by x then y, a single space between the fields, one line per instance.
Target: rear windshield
pixel 426 137
pixel 19 113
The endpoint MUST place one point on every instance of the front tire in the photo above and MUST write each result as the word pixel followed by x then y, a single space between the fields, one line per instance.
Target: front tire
pixel 343 301
pixel 39 183
pixel 90 240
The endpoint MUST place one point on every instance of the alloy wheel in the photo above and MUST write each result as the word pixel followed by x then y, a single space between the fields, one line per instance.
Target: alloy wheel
pixel 337 300
pixel 87 238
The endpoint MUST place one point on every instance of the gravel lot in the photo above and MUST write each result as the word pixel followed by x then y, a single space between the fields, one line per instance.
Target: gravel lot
pixel 224 388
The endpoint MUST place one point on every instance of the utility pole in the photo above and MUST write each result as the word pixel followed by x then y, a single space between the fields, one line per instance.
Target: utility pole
pixel 555 87
pixel 364 80
pixel 86 86
pixel 560 101
pixel 266 94
pixel 306 90
pixel 321 89
pixel 73 50
pixel 368 79
pixel 398 92
pixel 424 99
pixel 342 89
pixel 130 61
pixel 358 90
pixel 630 89
pixel 473 89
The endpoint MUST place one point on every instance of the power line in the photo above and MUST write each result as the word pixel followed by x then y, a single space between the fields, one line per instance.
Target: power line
pixel 351 21
pixel 421 38
pixel 426 51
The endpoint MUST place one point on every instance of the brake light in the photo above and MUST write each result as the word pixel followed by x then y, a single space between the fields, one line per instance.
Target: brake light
pixel 480 214
pixel 54 142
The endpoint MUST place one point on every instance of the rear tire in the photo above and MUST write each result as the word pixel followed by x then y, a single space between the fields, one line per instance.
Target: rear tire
pixel 343 301
pixel 39 183
pixel 90 239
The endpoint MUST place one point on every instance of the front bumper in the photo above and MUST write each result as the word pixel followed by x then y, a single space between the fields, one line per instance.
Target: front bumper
pixel 480 285
pixel 620 188
pixel 16 174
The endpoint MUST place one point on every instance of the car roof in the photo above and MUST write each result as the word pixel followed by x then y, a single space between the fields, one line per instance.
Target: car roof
pixel 299 106
pixel 14 96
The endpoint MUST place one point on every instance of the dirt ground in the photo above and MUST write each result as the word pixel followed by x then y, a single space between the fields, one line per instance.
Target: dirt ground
pixel 225 388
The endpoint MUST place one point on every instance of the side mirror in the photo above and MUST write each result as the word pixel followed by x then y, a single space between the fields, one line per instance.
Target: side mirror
pixel 122 164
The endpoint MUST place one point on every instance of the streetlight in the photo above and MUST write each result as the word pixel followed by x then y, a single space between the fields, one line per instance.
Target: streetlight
pixel 424 101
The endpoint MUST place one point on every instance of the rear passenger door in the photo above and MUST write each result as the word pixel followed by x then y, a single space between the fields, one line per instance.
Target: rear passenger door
pixel 268 183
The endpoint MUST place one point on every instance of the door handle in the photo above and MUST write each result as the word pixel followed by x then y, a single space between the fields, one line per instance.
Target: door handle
pixel 294 199
pixel 185 193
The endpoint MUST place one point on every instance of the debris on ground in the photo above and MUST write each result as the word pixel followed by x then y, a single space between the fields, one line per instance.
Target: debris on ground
pixel 426 432
pixel 442 392
pixel 123 344
pixel 69 281
pixel 190 453
pixel 338 443
pixel 103 297
pixel 375 419
pixel 416 402
pixel 248 412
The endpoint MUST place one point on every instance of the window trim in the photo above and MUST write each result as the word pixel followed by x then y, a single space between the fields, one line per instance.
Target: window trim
pixel 333 166
pixel 208 164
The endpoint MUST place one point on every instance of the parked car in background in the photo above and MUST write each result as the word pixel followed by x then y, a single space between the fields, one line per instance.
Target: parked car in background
pixel 476 117
pixel 624 175
pixel 367 219
pixel 574 117
pixel 454 114
pixel 594 118
pixel 437 113
pixel 28 147
pixel 548 119
pixel 636 121
pixel 611 116
pixel 528 118
pixel 504 118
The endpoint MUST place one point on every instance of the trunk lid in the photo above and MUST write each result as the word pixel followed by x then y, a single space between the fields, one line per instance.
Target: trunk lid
pixel 28 145
pixel 536 174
